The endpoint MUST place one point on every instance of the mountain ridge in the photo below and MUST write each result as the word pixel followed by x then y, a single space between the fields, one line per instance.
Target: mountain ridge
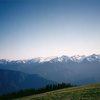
pixel 12 81
pixel 65 58
pixel 76 70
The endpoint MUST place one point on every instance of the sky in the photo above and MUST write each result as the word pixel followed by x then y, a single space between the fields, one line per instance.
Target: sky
pixel 43 28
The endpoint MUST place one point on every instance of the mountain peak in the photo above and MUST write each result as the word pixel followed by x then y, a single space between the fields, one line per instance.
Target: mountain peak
pixel 63 58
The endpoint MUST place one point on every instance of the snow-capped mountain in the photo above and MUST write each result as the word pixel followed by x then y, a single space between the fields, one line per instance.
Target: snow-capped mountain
pixel 64 58
pixel 93 57
pixel 75 69
pixel 75 58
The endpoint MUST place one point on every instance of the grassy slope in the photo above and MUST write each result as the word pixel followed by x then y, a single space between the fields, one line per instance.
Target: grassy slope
pixel 88 92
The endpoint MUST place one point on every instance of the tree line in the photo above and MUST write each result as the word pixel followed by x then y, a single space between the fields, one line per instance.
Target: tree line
pixel 28 92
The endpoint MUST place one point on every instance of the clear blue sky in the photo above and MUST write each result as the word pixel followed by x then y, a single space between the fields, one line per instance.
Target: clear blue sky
pixel 35 28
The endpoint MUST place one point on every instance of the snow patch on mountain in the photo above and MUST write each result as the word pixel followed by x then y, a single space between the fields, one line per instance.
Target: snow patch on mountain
pixel 64 58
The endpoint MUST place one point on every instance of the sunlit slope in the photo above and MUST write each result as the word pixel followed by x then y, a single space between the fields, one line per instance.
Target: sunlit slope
pixel 88 92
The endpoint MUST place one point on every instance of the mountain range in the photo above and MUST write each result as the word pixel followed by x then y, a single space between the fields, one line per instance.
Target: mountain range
pixel 77 69
pixel 64 58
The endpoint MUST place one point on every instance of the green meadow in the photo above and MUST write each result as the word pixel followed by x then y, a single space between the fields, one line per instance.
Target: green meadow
pixel 87 92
